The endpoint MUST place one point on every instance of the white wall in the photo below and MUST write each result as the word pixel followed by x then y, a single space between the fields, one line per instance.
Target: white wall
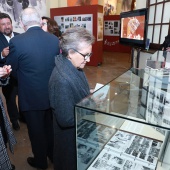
pixel 55 4
pixel 140 4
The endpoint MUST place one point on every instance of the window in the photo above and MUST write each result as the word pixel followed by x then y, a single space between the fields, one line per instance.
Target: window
pixel 158 21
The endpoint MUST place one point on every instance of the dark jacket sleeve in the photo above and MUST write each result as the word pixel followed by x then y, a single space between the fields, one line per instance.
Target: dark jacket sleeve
pixel 10 60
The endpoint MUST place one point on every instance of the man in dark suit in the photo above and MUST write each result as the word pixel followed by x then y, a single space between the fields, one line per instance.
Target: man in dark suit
pixel 32 60
pixel 9 91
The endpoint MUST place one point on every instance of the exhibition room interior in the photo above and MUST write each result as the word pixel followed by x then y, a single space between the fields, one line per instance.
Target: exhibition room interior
pixel 123 40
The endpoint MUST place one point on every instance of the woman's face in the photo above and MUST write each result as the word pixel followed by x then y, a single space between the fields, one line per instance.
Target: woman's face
pixel 77 59
pixel 44 25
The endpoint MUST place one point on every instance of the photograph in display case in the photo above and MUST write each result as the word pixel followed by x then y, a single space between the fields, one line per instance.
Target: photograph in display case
pixel 127 151
pixel 94 133
pixel 158 107
pixel 91 137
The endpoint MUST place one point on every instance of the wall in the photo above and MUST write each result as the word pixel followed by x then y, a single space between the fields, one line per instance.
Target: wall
pixel 140 4
pixel 62 3
pixel 55 4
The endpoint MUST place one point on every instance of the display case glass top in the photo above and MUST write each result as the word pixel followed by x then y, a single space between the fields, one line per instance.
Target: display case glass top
pixel 125 124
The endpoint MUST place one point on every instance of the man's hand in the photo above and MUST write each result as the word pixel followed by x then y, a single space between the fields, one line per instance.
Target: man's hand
pixel 5 52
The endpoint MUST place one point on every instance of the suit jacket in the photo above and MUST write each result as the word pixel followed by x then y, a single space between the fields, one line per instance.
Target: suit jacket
pixel 4 43
pixel 32 59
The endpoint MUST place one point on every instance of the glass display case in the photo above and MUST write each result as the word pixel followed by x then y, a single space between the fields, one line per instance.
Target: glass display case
pixel 128 128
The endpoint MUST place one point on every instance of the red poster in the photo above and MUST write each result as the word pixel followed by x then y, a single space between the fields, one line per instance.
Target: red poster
pixel 81 2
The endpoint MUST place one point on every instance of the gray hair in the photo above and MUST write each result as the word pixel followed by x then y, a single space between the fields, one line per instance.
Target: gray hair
pixel 72 38
pixel 30 16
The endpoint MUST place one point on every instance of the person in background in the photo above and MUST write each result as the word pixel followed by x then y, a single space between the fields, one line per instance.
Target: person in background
pixel 166 44
pixel 11 90
pixel 6 134
pixel 32 57
pixel 51 26
pixel 67 86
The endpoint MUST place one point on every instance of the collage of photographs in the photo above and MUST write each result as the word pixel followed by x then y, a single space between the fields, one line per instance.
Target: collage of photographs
pixel 69 21
pixel 158 107
pixel 98 145
pixel 94 133
pixel 112 161
pixel 91 138
pixel 126 151
pixel 111 28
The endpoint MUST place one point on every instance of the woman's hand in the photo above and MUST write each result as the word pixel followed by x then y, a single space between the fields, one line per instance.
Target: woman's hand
pixel 98 99
pixel 5 71
pixel 168 49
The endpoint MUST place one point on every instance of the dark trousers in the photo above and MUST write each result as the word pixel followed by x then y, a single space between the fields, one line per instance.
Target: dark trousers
pixel 10 92
pixel 40 130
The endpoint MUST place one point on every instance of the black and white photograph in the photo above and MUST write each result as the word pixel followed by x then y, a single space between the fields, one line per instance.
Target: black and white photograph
pixel 108 160
pixel 158 107
pixel 94 133
pixel 140 149
pixel 111 28
pixel 84 20
pixel 14 8
pixel 85 154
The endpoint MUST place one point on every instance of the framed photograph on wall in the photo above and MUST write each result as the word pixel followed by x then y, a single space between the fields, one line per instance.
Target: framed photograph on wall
pixel 67 21
pixel 111 28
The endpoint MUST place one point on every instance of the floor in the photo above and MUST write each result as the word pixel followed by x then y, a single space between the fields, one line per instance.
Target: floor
pixel 114 64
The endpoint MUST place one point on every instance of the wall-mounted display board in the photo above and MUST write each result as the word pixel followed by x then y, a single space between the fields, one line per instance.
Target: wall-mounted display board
pixel 111 27
pixel 88 12
pixel 111 35
pixel 69 21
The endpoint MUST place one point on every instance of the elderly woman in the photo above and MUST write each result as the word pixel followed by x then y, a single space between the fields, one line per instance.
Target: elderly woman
pixel 67 86
pixel 6 134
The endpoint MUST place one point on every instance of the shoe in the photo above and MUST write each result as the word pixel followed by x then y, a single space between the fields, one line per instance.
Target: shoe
pixel 13 167
pixel 31 162
pixel 16 125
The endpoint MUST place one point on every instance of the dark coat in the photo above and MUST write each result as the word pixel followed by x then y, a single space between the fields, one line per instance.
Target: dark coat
pixel 5 132
pixel 3 44
pixel 67 86
pixel 166 43
pixel 32 60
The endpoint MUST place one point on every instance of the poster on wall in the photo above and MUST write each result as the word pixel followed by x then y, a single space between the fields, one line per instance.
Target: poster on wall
pixel 14 7
pixel 111 28
pixel 100 27
pixel 81 2
pixel 69 21
pixel 110 7
pixel 115 7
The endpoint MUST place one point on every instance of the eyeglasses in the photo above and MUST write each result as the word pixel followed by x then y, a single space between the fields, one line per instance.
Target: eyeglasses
pixel 86 56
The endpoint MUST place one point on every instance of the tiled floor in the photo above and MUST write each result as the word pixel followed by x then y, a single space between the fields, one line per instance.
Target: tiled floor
pixel 114 64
